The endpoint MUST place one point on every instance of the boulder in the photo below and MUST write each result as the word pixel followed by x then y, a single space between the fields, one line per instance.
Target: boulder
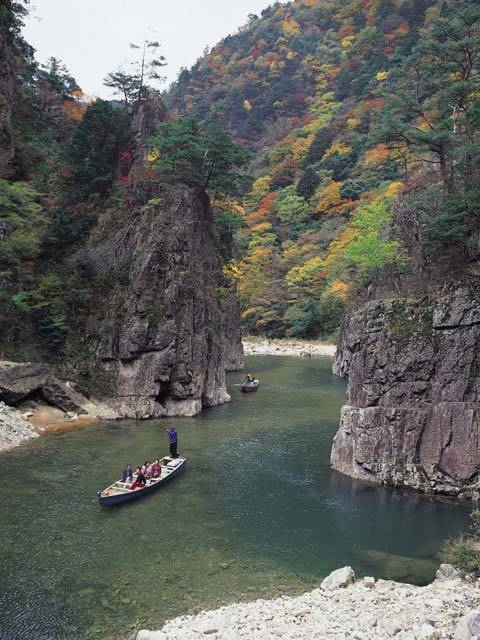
pixel 368 582
pixel 447 572
pixel 18 380
pixel 339 579
pixel 63 395
pixel 469 627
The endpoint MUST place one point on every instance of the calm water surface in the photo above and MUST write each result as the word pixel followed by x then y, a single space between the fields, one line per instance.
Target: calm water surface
pixel 258 513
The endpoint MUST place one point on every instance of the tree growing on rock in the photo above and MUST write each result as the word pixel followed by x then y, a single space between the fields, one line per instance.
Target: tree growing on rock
pixel 136 83
pixel 210 159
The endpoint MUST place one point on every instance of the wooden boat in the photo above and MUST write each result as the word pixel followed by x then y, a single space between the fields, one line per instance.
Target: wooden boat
pixel 120 492
pixel 248 386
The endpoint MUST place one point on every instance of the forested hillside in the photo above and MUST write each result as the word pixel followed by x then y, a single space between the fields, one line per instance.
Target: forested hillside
pixel 75 184
pixel 359 122
pixel 364 118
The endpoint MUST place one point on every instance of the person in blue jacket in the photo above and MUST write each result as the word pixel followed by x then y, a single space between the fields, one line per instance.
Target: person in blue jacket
pixel 127 474
pixel 173 441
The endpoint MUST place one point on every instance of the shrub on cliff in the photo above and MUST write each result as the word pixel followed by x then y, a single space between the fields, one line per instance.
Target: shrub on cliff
pixel 464 551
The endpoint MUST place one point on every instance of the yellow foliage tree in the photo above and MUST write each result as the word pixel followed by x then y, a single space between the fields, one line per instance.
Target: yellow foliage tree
pixel 290 27
pixel 300 146
pixel 329 198
pixel 308 276
pixel 337 147
pixel 339 289
pixel 353 123
pixel 347 42
pixel 323 107
pixel 260 188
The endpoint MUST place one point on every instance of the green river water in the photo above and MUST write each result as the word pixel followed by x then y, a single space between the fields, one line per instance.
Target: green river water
pixel 258 513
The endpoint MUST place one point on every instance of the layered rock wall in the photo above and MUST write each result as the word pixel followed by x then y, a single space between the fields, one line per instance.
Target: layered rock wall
pixel 413 412
pixel 163 336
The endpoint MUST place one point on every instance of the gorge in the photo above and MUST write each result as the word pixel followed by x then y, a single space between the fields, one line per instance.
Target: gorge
pixel 313 178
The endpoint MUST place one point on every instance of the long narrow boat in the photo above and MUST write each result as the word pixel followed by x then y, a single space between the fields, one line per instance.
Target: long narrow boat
pixel 120 492
pixel 249 386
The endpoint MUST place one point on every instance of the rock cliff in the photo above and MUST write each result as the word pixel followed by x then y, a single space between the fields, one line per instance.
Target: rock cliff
pixel 165 333
pixel 413 413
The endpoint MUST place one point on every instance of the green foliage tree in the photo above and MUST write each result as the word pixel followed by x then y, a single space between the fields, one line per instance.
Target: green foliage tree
pixel 55 78
pixel 368 249
pixel 209 159
pixel 432 118
pixel 26 222
pixel 308 183
pixel 92 153
pixel 290 207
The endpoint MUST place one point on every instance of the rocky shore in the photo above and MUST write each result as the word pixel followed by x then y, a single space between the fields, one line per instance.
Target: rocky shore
pixel 14 429
pixel 287 348
pixel 341 609
pixel 34 401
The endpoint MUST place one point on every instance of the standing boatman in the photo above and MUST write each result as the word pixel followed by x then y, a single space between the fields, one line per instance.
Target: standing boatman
pixel 173 441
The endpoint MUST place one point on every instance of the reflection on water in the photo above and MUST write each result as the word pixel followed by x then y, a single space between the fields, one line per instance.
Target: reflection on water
pixel 258 513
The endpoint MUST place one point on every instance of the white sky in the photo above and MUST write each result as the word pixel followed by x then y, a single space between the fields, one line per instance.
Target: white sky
pixel 91 36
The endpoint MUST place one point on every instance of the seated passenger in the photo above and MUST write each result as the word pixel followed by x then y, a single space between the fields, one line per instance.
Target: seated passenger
pixel 140 481
pixel 249 377
pixel 157 469
pixel 145 467
pixel 127 474
pixel 149 472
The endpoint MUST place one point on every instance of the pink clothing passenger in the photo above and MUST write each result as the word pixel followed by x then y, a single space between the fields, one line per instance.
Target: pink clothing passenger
pixel 149 472
pixel 157 469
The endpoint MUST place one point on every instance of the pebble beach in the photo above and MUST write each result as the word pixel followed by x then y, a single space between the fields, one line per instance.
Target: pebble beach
pixel 287 348
pixel 343 609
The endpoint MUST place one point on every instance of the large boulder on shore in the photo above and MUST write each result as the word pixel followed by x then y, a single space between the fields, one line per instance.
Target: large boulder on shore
pixel 19 380
pixel 339 579
pixel 447 572
pixel 63 395
pixel 469 627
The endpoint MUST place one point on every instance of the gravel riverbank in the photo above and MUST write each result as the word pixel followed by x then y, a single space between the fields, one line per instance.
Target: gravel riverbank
pixel 341 609
pixel 14 429
pixel 288 348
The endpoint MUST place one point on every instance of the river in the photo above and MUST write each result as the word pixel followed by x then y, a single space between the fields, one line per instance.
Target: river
pixel 257 514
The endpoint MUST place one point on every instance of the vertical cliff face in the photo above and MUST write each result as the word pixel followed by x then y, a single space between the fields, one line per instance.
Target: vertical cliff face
pixel 163 336
pixel 413 413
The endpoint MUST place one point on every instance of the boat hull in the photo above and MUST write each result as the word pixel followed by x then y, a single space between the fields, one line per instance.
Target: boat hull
pixel 113 500
pixel 248 388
